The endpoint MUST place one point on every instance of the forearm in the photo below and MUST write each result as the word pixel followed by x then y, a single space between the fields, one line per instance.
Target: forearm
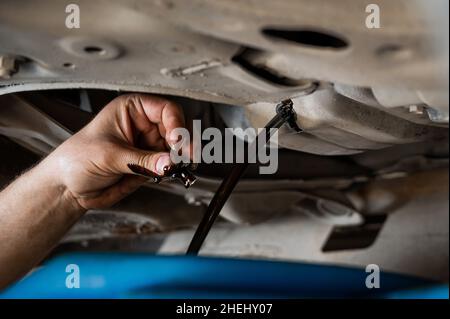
pixel 35 212
pixel 88 171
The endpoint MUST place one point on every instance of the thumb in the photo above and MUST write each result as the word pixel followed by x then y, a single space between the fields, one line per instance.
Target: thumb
pixel 137 161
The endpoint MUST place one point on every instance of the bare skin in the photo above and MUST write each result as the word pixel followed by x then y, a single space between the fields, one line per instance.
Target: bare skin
pixel 88 171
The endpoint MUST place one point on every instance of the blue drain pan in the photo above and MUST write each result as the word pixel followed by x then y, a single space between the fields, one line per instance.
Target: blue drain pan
pixel 139 275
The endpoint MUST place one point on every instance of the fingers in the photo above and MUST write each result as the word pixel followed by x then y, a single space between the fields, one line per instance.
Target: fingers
pixel 152 161
pixel 155 117
pixel 101 153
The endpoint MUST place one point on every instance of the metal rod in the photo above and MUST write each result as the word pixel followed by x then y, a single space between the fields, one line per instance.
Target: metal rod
pixel 285 113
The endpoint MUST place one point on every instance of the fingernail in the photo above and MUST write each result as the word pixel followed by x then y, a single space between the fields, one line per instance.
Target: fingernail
pixel 174 137
pixel 163 161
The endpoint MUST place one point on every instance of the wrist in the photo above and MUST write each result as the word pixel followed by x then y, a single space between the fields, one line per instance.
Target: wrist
pixel 47 174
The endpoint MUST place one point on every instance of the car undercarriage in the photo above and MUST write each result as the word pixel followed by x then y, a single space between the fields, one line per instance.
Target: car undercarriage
pixel 366 179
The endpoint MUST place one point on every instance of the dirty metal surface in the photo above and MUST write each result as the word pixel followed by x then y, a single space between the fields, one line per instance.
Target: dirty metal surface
pixel 252 54
pixel 187 48
pixel 403 244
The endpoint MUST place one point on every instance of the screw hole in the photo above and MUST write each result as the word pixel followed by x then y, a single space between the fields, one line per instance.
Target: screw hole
pixel 94 50
pixel 69 65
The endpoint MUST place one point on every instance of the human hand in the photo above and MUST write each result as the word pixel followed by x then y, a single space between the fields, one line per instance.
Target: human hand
pixel 131 129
